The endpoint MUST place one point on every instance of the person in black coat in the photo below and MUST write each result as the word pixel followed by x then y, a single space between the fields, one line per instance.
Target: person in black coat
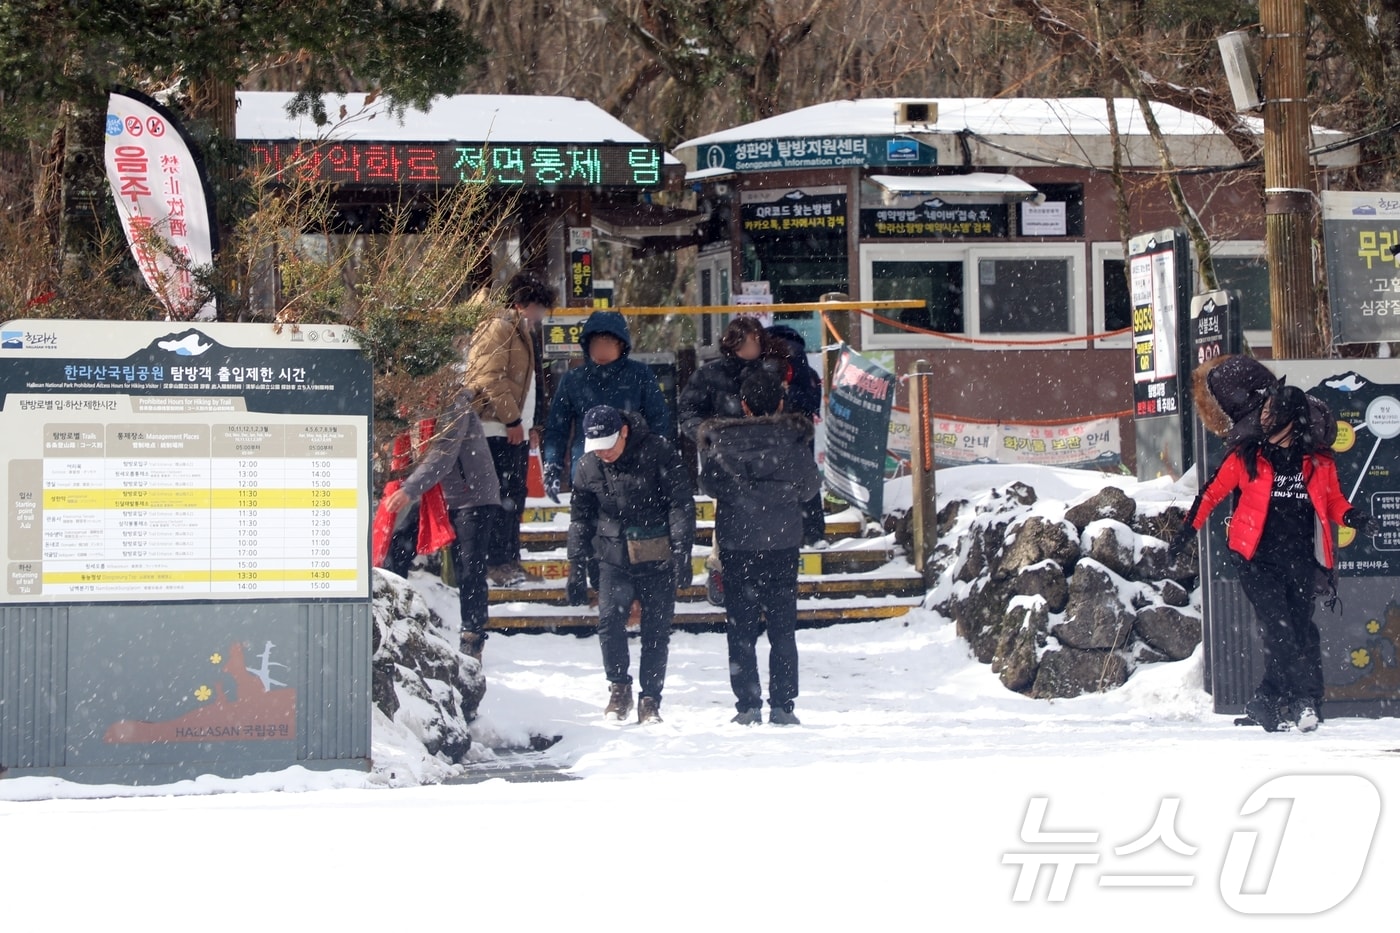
pixel 759 472
pixel 633 511
pixel 713 392
pixel 804 397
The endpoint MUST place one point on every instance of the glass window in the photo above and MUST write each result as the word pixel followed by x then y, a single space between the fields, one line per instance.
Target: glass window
pixel 1248 275
pixel 1023 296
pixel 1117 298
pixel 939 284
pixel 975 290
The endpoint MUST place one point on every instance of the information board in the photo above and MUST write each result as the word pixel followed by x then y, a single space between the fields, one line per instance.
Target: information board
pixel 145 463
pixel 1159 273
pixel 1361 234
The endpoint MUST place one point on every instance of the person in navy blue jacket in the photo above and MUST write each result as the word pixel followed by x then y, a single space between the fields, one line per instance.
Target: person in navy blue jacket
pixel 609 376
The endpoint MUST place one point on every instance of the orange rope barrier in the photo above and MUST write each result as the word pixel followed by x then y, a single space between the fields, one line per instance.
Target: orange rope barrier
pixel 996 343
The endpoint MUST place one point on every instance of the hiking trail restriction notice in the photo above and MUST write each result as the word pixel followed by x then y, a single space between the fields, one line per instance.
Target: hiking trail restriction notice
pixel 244 479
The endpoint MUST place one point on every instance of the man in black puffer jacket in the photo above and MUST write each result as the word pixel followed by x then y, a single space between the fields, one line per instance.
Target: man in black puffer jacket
pixel 633 511
pixel 759 472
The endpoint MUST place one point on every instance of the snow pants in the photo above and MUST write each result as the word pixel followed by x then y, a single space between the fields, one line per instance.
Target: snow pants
pixel 654 586
pixel 761 587
pixel 1282 597
pixel 469 551
pixel 512 462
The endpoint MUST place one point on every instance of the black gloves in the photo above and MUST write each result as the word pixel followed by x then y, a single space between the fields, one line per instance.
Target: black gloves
pixel 553 477
pixel 1363 523
pixel 685 569
pixel 1179 541
pixel 576 589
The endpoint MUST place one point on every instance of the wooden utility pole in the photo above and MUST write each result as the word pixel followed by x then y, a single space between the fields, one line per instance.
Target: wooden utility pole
pixel 1288 189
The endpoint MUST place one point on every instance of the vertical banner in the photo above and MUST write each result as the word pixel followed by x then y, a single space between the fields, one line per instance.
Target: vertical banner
pixel 581 265
pixel 163 199
pixel 857 429
pixel 1361 234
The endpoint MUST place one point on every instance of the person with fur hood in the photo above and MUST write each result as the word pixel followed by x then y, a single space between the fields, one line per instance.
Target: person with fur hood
pixel 759 472
pixel 1287 500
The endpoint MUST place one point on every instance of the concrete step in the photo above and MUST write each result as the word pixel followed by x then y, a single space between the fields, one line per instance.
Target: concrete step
pixel 811 613
pixel 858 557
pixel 552 593
pixel 536 536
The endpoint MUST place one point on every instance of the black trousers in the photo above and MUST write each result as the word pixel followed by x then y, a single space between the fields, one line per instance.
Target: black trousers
pixel 512 463
pixel 759 587
pixel 469 550
pixel 655 587
pixel 1282 597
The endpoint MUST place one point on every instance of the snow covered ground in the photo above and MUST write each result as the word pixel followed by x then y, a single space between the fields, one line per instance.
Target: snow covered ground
pixel 918 793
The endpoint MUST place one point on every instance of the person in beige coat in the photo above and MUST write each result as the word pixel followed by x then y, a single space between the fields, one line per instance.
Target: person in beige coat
pixel 501 367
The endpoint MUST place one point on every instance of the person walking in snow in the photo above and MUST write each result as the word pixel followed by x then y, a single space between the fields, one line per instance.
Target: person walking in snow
pixel 459 458
pixel 1281 533
pixel 609 376
pixel 633 512
pixel 501 374
pixel 759 472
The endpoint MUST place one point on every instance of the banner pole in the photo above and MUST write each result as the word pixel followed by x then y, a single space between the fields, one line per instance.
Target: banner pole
pixel 924 523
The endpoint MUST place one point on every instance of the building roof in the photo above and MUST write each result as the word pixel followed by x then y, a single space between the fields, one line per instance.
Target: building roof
pixel 500 118
pixel 1073 130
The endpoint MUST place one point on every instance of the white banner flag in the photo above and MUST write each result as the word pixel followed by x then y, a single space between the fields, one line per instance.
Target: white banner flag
pixel 162 199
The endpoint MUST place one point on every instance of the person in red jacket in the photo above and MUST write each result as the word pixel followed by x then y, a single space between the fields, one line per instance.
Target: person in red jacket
pixel 1282 530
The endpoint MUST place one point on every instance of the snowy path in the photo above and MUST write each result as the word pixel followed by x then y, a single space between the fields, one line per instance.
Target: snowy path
pixel 890 808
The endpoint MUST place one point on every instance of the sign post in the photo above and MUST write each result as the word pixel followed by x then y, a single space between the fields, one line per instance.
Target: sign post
pixel 1160 272
pixel 186 582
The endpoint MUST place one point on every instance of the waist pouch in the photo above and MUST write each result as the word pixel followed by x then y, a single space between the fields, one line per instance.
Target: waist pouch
pixel 647 545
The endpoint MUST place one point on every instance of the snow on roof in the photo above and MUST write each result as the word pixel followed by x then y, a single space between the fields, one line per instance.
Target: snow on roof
pixel 971 183
pixel 459 118
pixel 1017 116
pixel 1044 118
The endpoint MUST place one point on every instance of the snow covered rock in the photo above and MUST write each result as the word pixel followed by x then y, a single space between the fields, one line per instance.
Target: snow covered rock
pixel 1096 616
pixel 1068 672
pixel 1037 539
pixel 1111 503
pixel 1062 605
pixel 421 680
pixel 1172 632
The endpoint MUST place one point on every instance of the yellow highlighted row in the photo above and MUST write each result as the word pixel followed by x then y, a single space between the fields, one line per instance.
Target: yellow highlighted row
pixel 298 575
pixel 58 499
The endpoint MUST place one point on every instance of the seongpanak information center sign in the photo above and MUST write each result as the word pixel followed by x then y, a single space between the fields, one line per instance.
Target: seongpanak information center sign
pixel 186 560
pixel 150 462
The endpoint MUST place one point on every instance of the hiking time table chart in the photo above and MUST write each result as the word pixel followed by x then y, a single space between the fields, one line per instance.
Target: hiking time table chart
pixel 218 462
pixel 188 510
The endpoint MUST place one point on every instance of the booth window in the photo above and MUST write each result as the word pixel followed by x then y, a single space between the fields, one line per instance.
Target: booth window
pixel 1113 301
pixel 1026 290
pixel 1241 267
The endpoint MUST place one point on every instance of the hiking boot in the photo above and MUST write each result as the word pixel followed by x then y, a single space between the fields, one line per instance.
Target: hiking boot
pixel 783 717
pixel 1303 712
pixel 472 644
pixel 619 701
pixel 748 717
pixel 1265 712
pixel 648 710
